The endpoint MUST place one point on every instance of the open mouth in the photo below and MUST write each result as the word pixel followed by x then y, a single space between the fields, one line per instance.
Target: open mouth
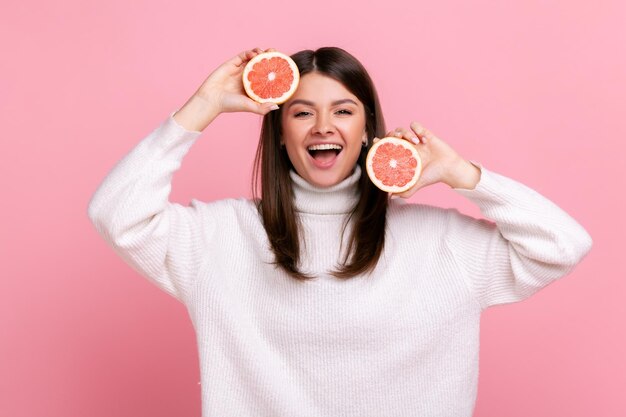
pixel 324 153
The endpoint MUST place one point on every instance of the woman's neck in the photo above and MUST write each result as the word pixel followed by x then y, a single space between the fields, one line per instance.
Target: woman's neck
pixel 337 199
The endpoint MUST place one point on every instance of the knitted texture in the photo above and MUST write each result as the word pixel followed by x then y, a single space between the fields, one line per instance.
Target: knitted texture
pixel 401 341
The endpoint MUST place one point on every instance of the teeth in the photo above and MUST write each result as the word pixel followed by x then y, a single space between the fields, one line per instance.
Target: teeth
pixel 324 147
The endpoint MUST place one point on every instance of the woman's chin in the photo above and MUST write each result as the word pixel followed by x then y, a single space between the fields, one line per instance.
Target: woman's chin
pixel 326 179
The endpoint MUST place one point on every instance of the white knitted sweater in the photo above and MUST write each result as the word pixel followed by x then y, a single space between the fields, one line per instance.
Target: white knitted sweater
pixel 402 341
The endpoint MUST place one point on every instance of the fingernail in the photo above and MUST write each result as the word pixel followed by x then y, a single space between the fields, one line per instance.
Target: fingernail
pixel 274 107
pixel 415 141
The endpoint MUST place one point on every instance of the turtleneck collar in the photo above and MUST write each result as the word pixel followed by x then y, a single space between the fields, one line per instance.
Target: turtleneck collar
pixel 338 199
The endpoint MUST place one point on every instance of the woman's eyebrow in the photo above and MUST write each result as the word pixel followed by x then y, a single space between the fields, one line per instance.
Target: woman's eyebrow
pixel 310 103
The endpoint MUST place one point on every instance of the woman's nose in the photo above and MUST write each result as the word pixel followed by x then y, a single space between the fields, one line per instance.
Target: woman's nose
pixel 323 125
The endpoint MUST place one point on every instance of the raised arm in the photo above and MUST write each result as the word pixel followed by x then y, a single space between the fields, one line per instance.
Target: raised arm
pixel 164 241
pixel 527 241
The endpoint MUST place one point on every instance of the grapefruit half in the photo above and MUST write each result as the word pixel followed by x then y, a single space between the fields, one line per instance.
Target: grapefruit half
pixel 270 77
pixel 393 164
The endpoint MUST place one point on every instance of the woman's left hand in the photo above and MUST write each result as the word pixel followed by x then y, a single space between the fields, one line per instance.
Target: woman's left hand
pixel 440 163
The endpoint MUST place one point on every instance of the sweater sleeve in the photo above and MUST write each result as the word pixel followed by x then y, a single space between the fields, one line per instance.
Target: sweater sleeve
pixel 131 211
pixel 525 243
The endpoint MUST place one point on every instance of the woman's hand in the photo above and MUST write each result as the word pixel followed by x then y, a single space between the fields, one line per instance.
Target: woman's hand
pixel 221 92
pixel 440 163
pixel 224 87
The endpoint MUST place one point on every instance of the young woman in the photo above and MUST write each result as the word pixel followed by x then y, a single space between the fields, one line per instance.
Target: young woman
pixel 324 297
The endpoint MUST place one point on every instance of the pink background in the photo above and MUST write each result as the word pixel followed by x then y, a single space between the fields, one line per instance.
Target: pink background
pixel 535 90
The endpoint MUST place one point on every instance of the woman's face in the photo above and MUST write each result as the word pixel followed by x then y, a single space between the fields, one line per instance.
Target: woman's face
pixel 323 127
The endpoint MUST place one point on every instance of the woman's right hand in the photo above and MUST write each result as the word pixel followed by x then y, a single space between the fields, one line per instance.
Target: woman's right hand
pixel 222 92
pixel 224 87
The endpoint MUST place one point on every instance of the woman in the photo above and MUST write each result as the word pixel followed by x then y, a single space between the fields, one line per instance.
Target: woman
pixel 324 297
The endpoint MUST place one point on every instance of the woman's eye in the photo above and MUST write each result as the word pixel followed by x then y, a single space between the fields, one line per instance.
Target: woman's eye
pixel 306 113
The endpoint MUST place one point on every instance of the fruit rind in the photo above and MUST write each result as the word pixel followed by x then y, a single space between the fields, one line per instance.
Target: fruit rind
pixel 268 55
pixel 379 183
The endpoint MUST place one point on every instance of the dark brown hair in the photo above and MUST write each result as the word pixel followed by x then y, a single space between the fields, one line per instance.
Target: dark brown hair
pixel 272 162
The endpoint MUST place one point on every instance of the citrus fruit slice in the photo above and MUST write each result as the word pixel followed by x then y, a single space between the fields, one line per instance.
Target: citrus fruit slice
pixel 393 165
pixel 270 77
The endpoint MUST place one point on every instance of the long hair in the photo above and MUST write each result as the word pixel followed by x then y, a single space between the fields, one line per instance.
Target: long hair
pixel 275 205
